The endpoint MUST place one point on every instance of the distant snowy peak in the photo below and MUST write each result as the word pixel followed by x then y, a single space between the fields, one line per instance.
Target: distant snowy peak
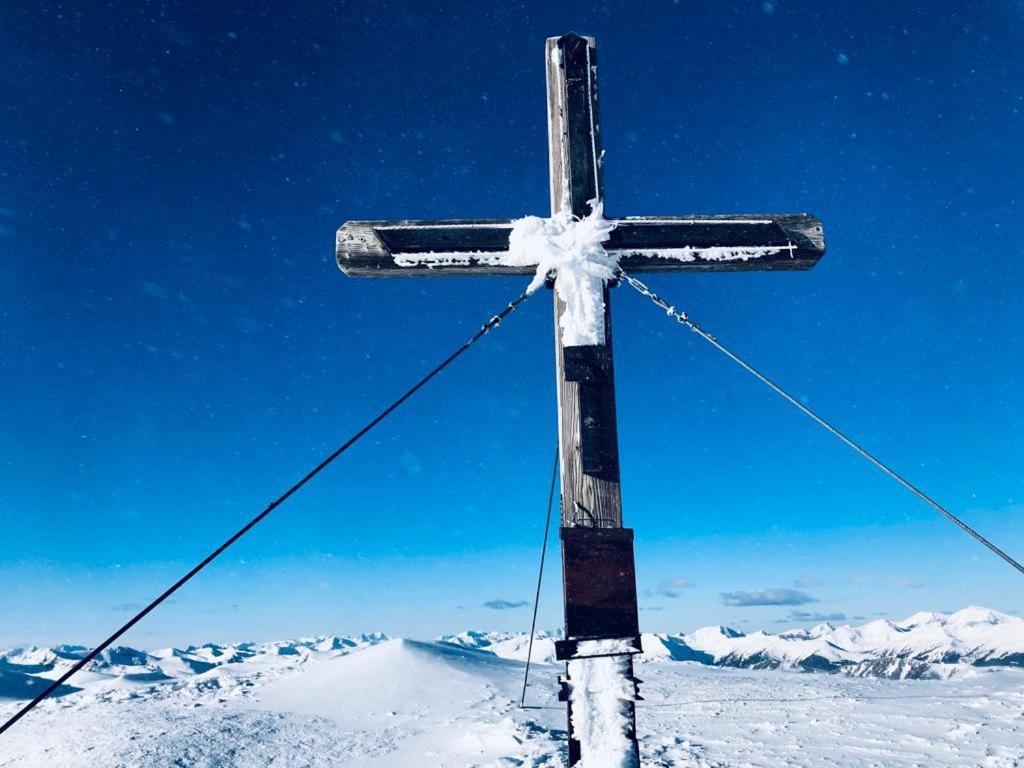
pixel 927 644
pixel 507 645
pixel 477 640
pixel 822 629
pixel 977 615
pixel 808 634
pixel 715 634
pixel 35 659
pixel 924 617
pixel 170 662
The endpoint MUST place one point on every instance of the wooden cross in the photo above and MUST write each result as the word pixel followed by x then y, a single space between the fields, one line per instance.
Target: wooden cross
pixel 597 552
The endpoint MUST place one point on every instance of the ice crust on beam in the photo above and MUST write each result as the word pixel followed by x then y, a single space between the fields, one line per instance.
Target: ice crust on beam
pixel 449 258
pixel 708 253
pixel 601 691
pixel 608 647
pixel 685 254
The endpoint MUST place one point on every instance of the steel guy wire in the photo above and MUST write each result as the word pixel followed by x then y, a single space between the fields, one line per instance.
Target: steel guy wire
pixel 682 318
pixel 540 576
pixel 486 328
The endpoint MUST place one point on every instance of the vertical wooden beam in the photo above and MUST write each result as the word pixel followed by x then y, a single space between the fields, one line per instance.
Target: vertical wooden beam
pixel 574 142
pixel 574 139
pixel 588 439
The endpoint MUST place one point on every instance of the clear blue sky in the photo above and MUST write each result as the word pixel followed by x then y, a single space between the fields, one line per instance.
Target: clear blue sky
pixel 178 345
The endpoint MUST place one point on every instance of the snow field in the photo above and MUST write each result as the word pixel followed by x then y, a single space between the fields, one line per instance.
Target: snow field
pixel 712 697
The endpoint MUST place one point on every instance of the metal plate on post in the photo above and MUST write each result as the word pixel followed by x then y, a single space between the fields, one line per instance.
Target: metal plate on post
pixel 600 583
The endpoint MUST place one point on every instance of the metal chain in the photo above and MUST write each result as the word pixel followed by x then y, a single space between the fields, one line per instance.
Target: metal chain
pixel 684 320
pixel 658 301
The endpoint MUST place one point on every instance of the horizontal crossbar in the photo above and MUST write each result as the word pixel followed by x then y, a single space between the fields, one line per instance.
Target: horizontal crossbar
pixel 642 244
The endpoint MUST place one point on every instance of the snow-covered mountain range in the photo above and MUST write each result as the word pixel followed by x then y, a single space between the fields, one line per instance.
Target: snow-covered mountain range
pixel 925 645
pixel 26 671
pixel 369 700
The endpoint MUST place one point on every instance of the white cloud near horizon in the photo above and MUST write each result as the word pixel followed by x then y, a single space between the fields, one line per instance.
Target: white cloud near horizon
pixel 671 587
pixel 781 596
pixel 504 605
pixel 808 582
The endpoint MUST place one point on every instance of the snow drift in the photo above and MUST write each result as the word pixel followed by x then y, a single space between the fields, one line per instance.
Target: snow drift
pixel 371 701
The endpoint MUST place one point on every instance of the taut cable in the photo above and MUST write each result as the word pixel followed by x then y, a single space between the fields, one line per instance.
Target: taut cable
pixel 486 328
pixel 684 320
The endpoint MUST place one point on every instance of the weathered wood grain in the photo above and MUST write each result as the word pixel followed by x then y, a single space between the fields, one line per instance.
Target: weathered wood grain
pixel 642 244
pixel 593 498
pixel 576 180
pixel 590 494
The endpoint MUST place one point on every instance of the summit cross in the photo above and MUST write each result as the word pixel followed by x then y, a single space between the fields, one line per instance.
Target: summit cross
pixel 599 583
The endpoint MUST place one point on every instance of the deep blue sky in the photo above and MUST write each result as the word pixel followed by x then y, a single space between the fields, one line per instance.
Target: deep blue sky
pixel 178 346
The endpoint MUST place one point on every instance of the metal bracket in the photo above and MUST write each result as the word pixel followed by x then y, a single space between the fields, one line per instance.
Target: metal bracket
pixel 568 650
pixel 563 688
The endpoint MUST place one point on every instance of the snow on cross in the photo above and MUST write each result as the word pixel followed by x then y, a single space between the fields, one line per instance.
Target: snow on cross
pixel 582 249
pixel 573 251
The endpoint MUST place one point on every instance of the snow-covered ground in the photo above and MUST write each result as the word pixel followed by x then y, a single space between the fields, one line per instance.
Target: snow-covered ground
pixel 373 701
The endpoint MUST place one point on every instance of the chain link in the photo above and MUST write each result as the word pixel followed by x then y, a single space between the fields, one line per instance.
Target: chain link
pixel 655 298
pixel 495 321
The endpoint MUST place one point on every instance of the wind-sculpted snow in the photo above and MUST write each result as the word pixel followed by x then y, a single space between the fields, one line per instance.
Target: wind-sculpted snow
pixel 925 645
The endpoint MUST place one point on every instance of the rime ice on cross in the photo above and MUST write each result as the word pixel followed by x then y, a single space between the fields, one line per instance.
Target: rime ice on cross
pixel 597 552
